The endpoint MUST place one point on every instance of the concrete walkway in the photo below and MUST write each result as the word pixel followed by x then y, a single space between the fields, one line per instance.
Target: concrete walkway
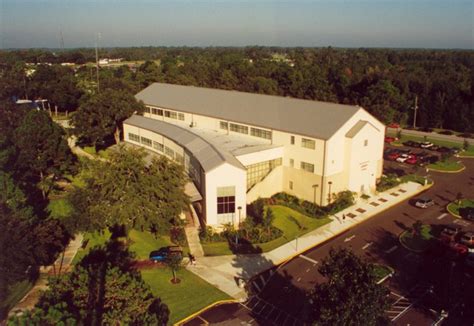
pixel 223 271
pixel 32 297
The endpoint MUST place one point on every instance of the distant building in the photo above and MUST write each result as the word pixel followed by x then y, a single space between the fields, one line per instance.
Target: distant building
pixel 238 146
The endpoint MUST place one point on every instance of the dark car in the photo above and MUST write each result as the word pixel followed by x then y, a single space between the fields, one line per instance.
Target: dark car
pixel 467 239
pixel 467 213
pixel 434 148
pixel 411 143
pixel 164 253
pixel 444 149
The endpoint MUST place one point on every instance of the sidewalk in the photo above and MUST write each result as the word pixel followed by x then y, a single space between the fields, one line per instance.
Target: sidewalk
pixel 223 271
pixel 32 297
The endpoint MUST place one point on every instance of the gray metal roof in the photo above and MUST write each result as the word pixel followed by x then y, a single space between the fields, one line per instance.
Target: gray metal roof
pixel 311 118
pixel 207 154
pixel 358 127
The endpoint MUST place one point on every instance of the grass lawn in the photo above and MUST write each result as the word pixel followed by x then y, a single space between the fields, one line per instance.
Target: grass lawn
pixel 91 150
pixel 284 222
pixel 454 208
pixel 59 208
pixel 185 298
pixel 15 293
pixel 381 271
pixel 448 165
pixel 417 243
pixel 414 178
pixel 404 138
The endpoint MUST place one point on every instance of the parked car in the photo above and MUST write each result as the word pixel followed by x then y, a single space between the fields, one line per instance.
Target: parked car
pixel 444 149
pixel 424 202
pixel 163 253
pixel 403 157
pixel 412 160
pixel 454 150
pixel 389 140
pixel 450 233
pixel 426 144
pixel 394 125
pixel 467 213
pixel 469 260
pixel 467 239
pixel 411 143
pixel 393 155
pixel 434 148
pixel 457 248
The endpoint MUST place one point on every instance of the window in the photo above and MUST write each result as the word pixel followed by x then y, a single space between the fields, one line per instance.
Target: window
pixel 261 133
pixel 292 140
pixel 292 162
pixel 256 172
pixel 173 115
pixel 239 128
pixel 169 152
pixel 145 141
pixel 291 185
pixel 308 143
pixel 133 137
pixel 307 167
pixel 157 111
pixel 181 116
pixel 366 142
pixel 224 125
pixel 179 158
pixel 167 114
pixel 225 200
pixel 158 146
pixel 147 109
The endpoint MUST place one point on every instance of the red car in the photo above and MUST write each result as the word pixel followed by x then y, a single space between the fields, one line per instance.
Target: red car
pixel 394 125
pixel 393 156
pixel 412 160
pixel 389 140
pixel 458 248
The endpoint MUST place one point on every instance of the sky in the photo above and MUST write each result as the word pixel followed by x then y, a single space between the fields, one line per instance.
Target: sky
pixel 337 23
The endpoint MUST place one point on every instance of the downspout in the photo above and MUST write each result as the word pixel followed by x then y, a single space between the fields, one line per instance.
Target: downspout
pixel 322 175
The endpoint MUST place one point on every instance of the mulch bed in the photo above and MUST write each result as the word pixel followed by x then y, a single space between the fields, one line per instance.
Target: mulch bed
pixel 361 210
pixel 383 200
pixel 351 215
pixel 374 204
pixel 394 194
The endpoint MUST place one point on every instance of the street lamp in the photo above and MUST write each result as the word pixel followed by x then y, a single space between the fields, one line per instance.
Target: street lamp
pixel 238 227
pixel 329 194
pixel 314 193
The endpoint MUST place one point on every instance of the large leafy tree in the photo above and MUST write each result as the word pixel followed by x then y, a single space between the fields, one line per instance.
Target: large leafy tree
pixel 351 295
pixel 102 290
pixel 126 190
pixel 43 153
pixel 100 116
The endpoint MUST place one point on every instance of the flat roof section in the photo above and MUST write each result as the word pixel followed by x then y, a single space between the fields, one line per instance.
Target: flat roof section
pixel 208 155
pixel 311 118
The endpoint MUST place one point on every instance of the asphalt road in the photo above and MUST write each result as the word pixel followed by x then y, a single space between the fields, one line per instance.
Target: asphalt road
pixel 282 301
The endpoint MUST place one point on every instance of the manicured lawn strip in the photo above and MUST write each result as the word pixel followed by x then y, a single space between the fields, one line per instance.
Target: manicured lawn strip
pixel 381 271
pixel 454 208
pixel 448 165
pixel 414 178
pixel 93 239
pixel 91 150
pixel 185 298
pixel 418 243
pixel 145 242
pixel 284 222
pixel 16 292
pixel 59 208
pixel 404 138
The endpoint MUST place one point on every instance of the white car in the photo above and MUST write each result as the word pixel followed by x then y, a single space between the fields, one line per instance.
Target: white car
pixel 426 144
pixel 402 158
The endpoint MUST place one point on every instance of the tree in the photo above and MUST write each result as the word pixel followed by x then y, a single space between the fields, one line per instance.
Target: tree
pixel 268 220
pixel 351 295
pixel 417 227
pixel 100 116
pixel 127 191
pixel 43 153
pixel 102 289
pixel 257 210
pixel 459 197
pixel 174 263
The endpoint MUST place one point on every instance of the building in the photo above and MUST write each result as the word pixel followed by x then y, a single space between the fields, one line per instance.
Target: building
pixel 239 146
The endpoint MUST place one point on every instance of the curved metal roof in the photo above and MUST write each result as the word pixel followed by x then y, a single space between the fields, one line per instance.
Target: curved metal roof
pixel 208 155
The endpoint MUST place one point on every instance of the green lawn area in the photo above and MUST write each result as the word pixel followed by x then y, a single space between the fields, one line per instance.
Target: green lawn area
pixel 15 293
pixel 381 271
pixel 185 298
pixel 283 222
pixel 91 150
pixel 414 178
pixel 417 243
pixel 454 208
pixel 404 138
pixel 448 165
pixel 59 208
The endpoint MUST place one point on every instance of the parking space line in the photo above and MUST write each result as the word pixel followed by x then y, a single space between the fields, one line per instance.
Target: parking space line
pixel 308 270
pixel 367 245
pixel 205 321
pixel 441 216
pixel 391 249
pixel 308 259
pixel 299 279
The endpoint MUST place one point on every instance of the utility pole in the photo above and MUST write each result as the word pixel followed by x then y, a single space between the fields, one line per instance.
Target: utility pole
pixel 97 60
pixel 416 109
pixel 61 38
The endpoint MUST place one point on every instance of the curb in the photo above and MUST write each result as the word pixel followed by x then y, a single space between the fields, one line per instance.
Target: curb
pixel 406 247
pixel 462 156
pixel 445 171
pixel 447 209
pixel 383 279
pixel 284 261
pixel 204 309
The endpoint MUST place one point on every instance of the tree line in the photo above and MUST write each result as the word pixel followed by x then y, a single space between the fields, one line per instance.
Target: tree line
pixel 384 81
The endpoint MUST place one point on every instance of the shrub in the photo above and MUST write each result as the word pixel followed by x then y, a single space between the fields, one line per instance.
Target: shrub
pixel 178 236
pixel 446 132
pixel 425 129
pixel 207 234
pixel 466 135
pixel 387 182
pixel 342 200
